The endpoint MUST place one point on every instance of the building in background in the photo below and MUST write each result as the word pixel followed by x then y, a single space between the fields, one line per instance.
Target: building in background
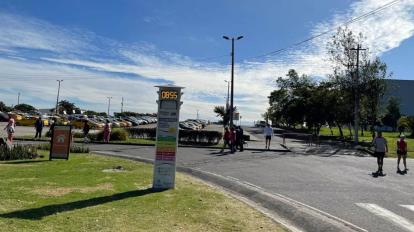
pixel 403 90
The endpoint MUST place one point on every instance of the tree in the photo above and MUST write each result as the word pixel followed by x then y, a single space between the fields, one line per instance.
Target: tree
pixel 403 124
pixel 223 114
pixel 367 90
pixel 25 108
pixel 67 106
pixel 373 89
pixel 289 103
pixel 393 113
pixel 4 108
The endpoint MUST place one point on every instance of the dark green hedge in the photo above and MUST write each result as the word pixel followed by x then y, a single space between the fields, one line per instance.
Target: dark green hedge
pixel 143 133
pixel 185 136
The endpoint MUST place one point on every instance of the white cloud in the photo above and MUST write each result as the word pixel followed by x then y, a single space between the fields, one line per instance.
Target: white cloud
pixel 90 80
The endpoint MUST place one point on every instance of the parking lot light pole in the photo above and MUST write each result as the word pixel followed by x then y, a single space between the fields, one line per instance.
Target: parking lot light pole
pixel 232 75
pixel 109 104
pixel 57 99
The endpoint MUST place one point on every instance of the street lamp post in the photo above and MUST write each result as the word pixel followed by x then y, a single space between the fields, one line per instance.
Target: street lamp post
pixel 109 104
pixel 57 99
pixel 228 93
pixel 232 75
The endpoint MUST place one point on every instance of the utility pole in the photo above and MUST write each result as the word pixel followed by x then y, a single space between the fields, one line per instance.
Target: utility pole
pixel 122 105
pixel 356 95
pixel 109 104
pixel 57 99
pixel 232 76
pixel 18 98
pixel 197 114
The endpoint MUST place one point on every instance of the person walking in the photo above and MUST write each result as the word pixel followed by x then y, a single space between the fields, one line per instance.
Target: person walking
pixel 268 133
pixel 239 138
pixel 402 152
pixel 10 129
pixel 381 148
pixel 85 130
pixel 107 131
pixel 39 127
pixel 226 139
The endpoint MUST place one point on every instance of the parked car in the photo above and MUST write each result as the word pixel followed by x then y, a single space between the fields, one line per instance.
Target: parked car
pixel 78 124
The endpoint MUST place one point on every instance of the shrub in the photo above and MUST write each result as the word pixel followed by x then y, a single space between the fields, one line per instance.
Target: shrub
pixel 185 136
pixel 116 135
pixel 199 137
pixel 73 148
pixel 144 133
pixel 17 152
pixel 91 136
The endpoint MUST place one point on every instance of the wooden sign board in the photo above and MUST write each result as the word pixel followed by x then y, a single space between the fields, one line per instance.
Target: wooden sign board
pixel 60 143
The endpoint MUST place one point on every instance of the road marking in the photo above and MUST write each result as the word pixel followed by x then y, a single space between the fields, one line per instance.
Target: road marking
pixel 410 207
pixel 388 215
pixel 233 178
pixel 255 186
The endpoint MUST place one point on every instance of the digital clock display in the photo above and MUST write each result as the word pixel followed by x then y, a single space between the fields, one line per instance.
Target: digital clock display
pixel 169 95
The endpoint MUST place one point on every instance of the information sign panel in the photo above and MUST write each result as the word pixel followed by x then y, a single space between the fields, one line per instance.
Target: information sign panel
pixel 167 136
pixel 60 143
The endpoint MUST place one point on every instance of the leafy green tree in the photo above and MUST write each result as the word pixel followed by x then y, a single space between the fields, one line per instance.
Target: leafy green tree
pixel 4 108
pixel 374 86
pixel 367 90
pixel 25 108
pixel 403 124
pixel 67 106
pixel 392 113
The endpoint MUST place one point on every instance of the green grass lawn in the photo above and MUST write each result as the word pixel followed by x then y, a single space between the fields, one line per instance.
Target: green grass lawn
pixel 391 137
pixel 85 194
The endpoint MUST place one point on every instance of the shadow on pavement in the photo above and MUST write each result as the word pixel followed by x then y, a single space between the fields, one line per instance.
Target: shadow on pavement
pixel 39 213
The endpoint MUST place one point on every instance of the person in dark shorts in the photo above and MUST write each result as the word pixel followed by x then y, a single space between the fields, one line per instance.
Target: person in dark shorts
pixel 402 152
pixel 380 148
pixel 268 133
pixel 239 138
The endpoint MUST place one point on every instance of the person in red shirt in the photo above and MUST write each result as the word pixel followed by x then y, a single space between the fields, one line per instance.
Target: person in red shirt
pixel 402 152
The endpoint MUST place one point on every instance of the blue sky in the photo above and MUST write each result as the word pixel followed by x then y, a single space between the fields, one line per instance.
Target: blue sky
pixel 124 48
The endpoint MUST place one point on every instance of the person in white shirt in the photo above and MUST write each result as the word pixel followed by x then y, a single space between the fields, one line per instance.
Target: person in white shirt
pixel 380 148
pixel 268 133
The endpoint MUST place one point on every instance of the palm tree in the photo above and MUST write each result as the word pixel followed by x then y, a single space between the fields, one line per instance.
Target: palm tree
pixel 224 114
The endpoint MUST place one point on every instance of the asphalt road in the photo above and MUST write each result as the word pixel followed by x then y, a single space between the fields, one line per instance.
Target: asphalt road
pixel 340 185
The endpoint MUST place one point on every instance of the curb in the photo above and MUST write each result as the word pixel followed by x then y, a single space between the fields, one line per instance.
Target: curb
pixel 152 145
pixel 302 216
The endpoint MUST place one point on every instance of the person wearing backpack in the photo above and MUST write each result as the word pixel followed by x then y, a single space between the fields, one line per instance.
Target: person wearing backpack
pixel 402 152
pixel 10 129
pixel 381 148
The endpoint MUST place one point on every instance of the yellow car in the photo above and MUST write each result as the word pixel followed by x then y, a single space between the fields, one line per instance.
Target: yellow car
pixel 26 121
pixel 30 121
pixel 78 124
pixel 15 116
